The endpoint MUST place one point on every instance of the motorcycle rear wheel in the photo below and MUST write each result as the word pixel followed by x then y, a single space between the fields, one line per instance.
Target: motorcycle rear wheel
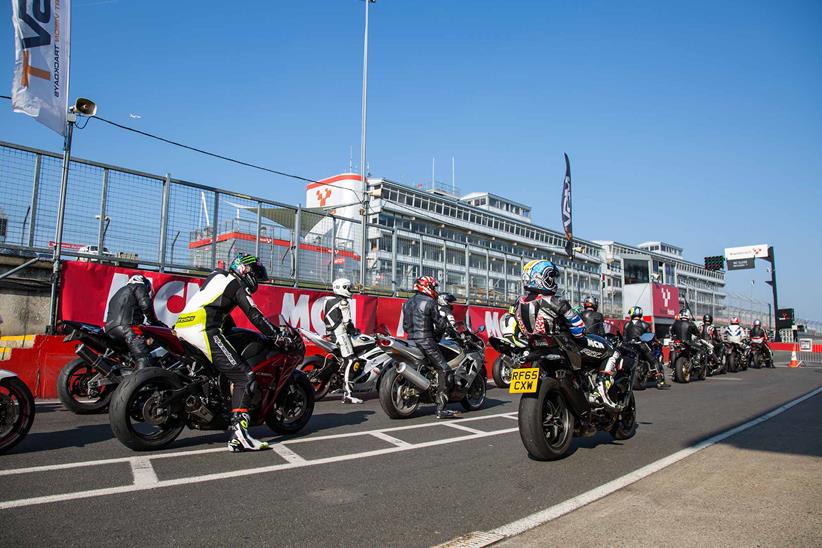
pixel 294 407
pixel 139 396
pixel 501 371
pixel 683 370
pixel 315 363
pixel 393 392
pixel 72 389
pixel 16 412
pixel 732 362
pixel 546 425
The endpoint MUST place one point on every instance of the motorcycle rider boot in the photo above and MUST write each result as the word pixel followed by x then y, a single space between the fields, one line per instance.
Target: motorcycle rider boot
pixel 143 362
pixel 604 382
pixel 347 384
pixel 241 440
pixel 442 412
pixel 661 384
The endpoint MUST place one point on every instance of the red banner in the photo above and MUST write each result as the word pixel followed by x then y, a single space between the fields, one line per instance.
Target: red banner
pixel 666 300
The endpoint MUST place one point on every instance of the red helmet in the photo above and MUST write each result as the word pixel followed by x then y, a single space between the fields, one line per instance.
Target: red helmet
pixel 427 285
pixel 734 321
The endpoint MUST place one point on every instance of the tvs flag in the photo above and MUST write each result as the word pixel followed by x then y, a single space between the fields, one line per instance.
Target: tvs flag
pixel 566 209
pixel 42 32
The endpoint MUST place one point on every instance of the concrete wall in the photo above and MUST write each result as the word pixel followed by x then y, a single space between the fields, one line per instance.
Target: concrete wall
pixel 24 297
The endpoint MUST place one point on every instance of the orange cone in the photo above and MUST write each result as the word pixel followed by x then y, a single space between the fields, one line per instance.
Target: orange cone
pixel 794 361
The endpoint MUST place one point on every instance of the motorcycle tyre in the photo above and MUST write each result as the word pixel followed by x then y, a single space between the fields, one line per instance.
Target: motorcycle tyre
pixel 26 418
pixel 530 420
pixel 682 374
pixel 497 371
pixel 68 401
pixel 301 382
pixel 387 400
pixel 120 412
pixel 312 363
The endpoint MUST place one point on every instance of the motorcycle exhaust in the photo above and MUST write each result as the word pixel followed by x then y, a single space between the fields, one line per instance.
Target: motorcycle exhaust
pixel 195 407
pixel 413 376
pixel 97 361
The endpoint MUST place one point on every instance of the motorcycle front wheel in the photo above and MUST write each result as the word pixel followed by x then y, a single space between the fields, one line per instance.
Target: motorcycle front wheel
pixel 501 371
pixel 546 425
pixel 625 425
pixel 16 412
pixel 139 417
pixel 475 397
pixel 73 391
pixel 398 397
pixel 294 407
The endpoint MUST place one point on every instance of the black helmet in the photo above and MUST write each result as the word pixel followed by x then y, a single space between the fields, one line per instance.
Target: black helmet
pixel 635 312
pixel 708 319
pixel 589 301
pixel 249 270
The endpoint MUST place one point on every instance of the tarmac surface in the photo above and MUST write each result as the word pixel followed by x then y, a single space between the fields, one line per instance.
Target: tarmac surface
pixel 354 476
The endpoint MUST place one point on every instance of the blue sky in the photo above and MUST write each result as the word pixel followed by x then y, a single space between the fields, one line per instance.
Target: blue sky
pixel 697 123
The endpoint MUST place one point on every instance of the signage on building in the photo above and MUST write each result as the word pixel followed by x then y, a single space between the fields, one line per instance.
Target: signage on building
pixel 666 300
pixel 747 252
pixel 741 264
pixel 806 345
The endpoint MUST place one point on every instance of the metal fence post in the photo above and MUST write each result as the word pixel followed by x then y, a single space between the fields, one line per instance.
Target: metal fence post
pixel 505 277
pixel 487 276
pixel 333 247
pixel 467 275
pixel 35 190
pixel 394 259
pixel 445 265
pixel 259 227
pixel 101 231
pixel 421 244
pixel 296 249
pixel 214 223
pixel 164 221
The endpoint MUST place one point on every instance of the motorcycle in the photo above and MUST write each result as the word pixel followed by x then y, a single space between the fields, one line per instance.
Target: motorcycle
pixel 85 385
pixel 717 363
pixel 510 357
pixel 325 370
pixel 759 356
pixel 736 350
pixel 689 361
pixel 151 407
pixel 16 410
pixel 412 380
pixel 560 400
pixel 645 372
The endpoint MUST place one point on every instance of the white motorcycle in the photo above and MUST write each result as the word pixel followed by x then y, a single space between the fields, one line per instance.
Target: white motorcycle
pixel 325 370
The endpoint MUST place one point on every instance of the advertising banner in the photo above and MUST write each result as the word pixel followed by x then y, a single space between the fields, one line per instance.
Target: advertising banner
pixel 747 252
pixel 741 264
pixel 42 33
pixel 666 300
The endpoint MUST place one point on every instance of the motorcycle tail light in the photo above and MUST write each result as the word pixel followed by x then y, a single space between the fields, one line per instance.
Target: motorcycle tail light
pixel 384 343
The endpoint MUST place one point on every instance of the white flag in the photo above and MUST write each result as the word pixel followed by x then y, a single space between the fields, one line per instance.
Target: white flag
pixel 42 36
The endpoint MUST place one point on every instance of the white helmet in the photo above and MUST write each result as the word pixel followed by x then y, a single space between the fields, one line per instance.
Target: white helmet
pixel 142 280
pixel 342 287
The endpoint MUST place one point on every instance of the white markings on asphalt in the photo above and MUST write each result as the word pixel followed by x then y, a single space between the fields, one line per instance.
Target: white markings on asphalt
pixel 143 472
pixel 286 453
pixel 725 378
pixel 459 426
pixel 558 510
pixel 390 439
pixel 142 480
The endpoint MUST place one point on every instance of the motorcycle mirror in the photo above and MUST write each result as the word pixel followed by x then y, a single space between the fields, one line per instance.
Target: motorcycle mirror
pixel 481 329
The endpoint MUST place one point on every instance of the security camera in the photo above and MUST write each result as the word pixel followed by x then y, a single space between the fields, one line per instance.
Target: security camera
pixel 84 106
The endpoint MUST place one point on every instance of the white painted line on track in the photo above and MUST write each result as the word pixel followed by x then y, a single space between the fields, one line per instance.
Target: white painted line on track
pixel 558 510
pixel 116 460
pixel 459 426
pixel 143 472
pixel 390 439
pixel 5 505
pixel 286 453
pixel 725 378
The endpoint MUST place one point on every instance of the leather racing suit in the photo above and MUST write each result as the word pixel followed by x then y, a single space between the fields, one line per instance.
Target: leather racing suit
pixel 424 325
pixel 131 305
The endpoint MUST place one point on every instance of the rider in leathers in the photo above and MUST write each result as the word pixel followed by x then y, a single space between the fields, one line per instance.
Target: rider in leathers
pixel 710 334
pixel 132 305
pixel 634 329
pixel 541 313
pixel 423 323
pixel 686 331
pixel 340 327
pixel 757 331
pixel 594 320
pixel 445 302
pixel 202 322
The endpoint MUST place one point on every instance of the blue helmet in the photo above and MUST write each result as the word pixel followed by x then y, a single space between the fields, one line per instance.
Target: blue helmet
pixel 540 276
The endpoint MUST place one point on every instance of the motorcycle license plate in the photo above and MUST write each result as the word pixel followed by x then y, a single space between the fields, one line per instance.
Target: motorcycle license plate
pixel 524 380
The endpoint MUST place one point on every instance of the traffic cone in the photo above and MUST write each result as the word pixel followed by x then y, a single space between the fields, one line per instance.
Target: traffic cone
pixel 794 361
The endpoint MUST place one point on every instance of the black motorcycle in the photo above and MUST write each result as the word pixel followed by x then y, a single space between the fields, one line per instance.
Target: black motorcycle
pixel 560 400
pixel 689 361
pixel 16 410
pixel 645 372
pixel 717 364
pixel 412 381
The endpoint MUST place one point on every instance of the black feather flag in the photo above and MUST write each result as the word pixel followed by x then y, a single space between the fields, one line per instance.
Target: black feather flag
pixel 566 209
